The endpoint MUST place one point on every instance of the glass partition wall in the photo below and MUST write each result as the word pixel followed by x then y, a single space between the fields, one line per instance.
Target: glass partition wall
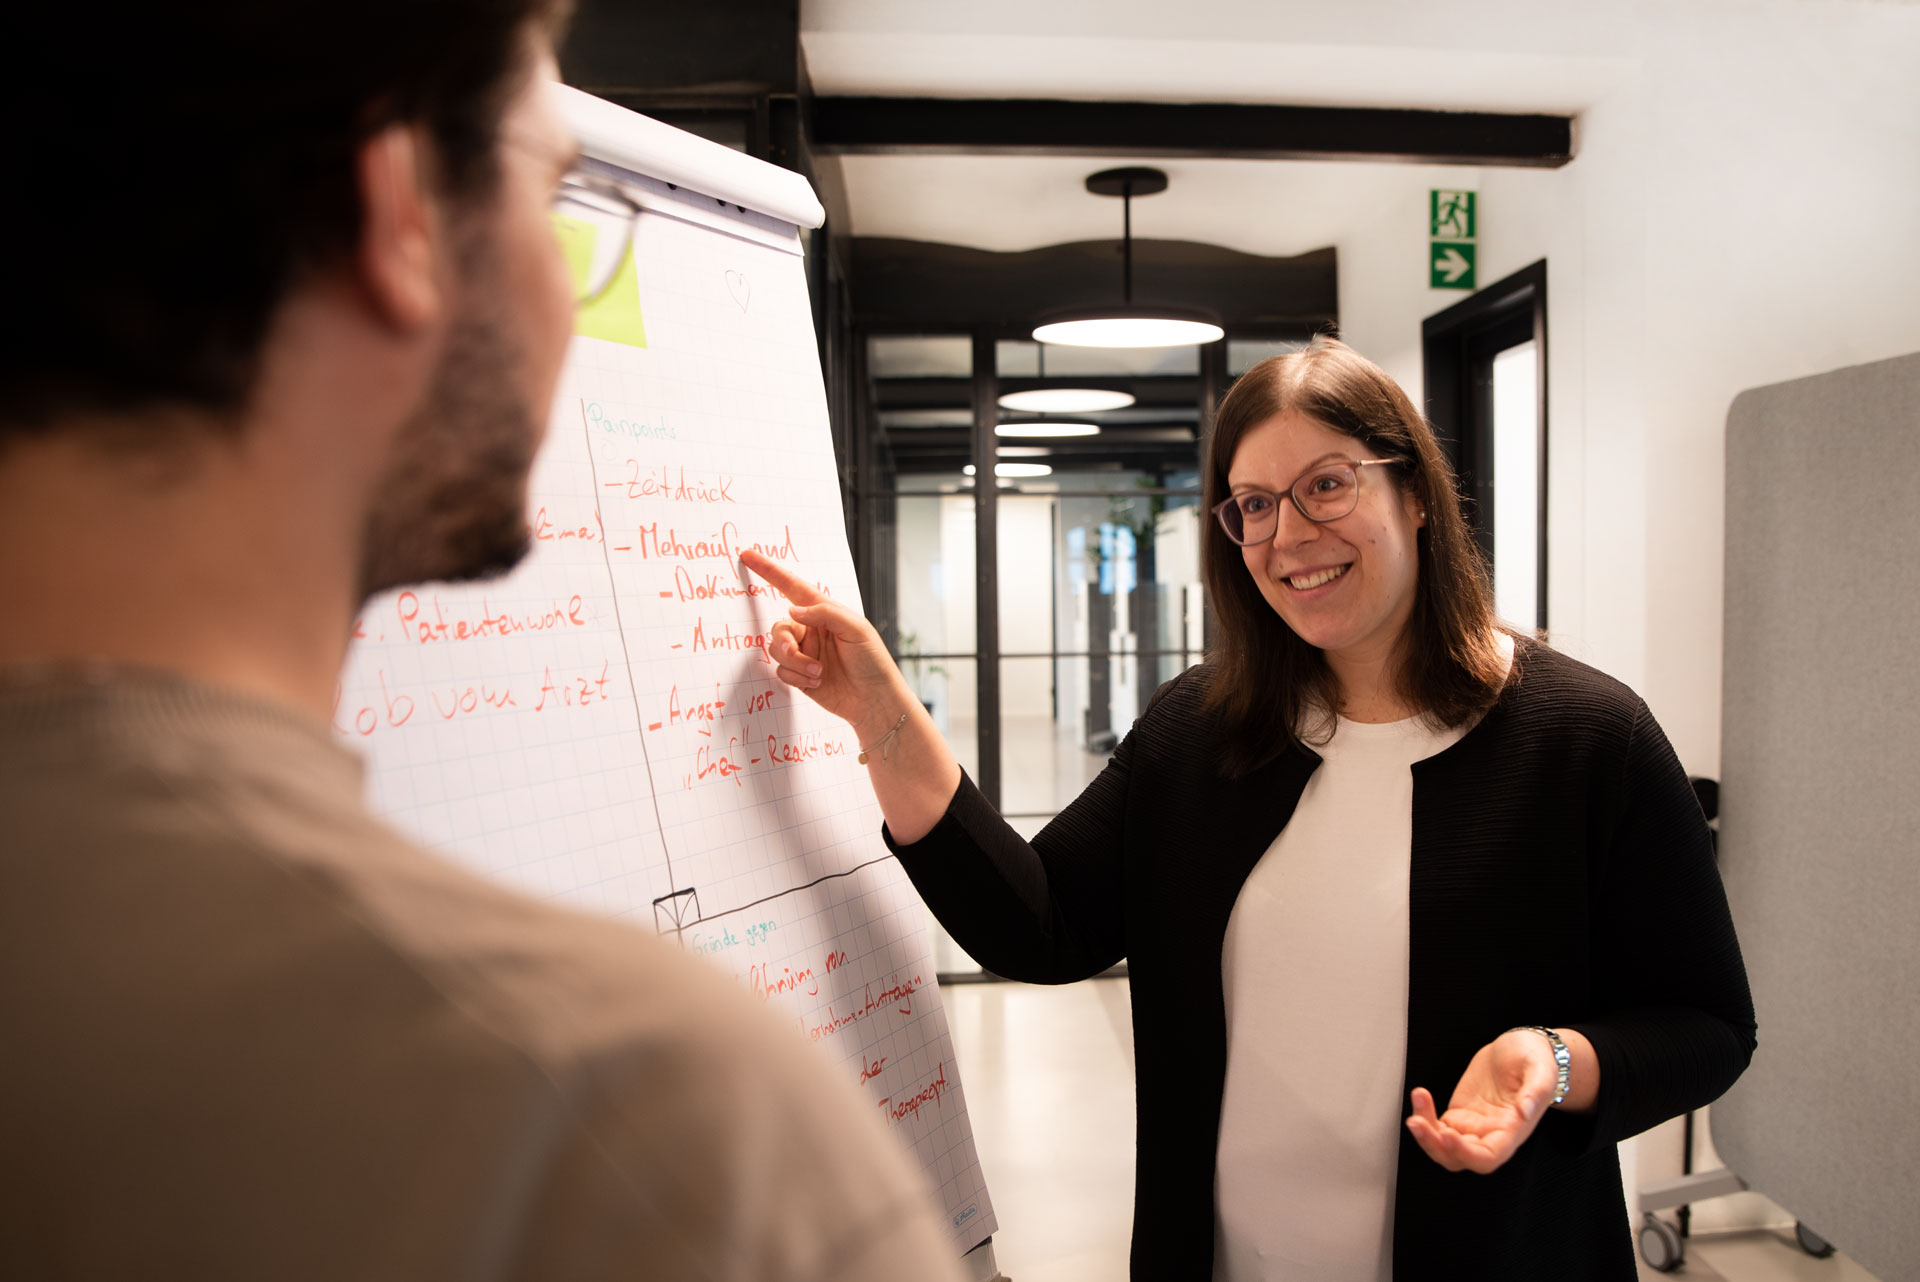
pixel 1035 613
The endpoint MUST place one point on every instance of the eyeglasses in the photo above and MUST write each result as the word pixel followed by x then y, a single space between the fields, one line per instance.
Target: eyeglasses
pixel 594 217
pixel 1326 493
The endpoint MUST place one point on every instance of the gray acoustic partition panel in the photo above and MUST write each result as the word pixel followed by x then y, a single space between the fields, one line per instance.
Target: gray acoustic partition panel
pixel 1820 801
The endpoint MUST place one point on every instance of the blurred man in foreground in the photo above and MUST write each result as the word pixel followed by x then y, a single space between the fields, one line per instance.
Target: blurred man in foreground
pixel 285 317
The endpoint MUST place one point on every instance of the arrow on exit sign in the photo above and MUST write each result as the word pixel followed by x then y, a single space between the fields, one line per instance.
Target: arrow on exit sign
pixel 1452 265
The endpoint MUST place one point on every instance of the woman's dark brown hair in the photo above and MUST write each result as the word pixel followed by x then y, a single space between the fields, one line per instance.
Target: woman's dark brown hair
pixel 1271 688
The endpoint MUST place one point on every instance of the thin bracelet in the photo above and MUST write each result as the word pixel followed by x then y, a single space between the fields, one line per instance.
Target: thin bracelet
pixel 1562 1057
pixel 884 739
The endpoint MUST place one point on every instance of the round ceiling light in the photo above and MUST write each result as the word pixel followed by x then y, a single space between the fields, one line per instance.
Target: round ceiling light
pixel 1129 330
pixel 1037 428
pixel 1066 400
pixel 1008 470
pixel 1128 325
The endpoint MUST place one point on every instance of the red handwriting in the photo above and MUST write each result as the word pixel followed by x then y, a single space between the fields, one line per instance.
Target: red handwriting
pixel 808 747
pixel 723 545
pixel 574 692
pixel 869 1071
pixel 471 699
pixel 708 711
pixel 727 639
pixel 898 994
pixel 664 486
pixel 928 1094
pixel 544 528
pixel 452 701
pixel 397 709
pixel 764 984
pixel 415 624
pixel 707 763
pixel 712 589
pixel 835 960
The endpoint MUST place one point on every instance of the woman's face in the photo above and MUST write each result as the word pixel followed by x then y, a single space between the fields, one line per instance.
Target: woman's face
pixel 1347 585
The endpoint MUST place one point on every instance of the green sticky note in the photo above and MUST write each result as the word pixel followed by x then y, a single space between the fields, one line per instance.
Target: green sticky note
pixel 615 314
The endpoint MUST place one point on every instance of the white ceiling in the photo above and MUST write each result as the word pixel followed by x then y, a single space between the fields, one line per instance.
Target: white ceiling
pixel 1010 203
pixel 1500 55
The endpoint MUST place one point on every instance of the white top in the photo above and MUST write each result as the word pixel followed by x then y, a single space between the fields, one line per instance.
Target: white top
pixel 1315 971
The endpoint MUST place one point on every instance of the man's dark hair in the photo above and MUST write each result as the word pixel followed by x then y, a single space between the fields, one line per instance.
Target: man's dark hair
pixel 185 162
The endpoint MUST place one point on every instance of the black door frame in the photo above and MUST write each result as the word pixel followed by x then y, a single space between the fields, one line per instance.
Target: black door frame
pixel 1457 349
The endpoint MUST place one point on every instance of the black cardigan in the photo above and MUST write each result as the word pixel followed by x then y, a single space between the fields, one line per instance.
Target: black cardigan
pixel 1562 874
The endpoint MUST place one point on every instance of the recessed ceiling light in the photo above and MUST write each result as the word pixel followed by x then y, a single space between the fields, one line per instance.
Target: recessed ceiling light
pixel 1041 427
pixel 1066 400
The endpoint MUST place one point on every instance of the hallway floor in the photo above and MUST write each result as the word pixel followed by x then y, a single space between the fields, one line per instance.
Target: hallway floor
pixel 1048 1074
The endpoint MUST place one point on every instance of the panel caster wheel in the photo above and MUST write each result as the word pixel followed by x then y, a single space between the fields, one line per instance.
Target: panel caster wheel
pixel 1810 1242
pixel 1660 1245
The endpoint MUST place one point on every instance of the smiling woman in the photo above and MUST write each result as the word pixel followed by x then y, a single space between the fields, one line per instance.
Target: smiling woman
pixel 1405 625
pixel 1444 889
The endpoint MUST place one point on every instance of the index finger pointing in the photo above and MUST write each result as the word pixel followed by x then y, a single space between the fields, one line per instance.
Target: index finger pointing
pixel 797 590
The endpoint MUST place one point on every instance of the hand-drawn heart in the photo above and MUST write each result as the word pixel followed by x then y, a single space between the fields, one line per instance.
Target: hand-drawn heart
pixel 740 287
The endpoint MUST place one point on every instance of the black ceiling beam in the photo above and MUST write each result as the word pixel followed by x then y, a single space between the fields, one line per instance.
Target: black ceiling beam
pixel 907 286
pixel 1049 127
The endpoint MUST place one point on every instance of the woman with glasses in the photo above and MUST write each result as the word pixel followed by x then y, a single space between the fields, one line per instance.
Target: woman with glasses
pixel 1379 851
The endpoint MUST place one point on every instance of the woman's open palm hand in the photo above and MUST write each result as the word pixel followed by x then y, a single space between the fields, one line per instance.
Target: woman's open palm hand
pixel 1494 1108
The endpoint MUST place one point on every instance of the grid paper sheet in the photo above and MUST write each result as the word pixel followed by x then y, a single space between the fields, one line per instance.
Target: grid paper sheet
pixel 603 727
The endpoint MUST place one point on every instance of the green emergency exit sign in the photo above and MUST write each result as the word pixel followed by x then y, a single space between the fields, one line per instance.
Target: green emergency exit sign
pixel 1452 265
pixel 1453 228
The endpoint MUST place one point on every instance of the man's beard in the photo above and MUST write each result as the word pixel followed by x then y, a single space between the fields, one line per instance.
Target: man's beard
pixel 452 502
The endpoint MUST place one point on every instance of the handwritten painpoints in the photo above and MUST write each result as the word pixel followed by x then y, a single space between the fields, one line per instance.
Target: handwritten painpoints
pixel 611 422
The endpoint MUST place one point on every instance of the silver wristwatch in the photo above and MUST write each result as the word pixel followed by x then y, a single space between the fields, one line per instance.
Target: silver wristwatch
pixel 1562 1059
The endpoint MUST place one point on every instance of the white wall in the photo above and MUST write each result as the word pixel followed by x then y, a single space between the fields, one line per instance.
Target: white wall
pixel 1743 209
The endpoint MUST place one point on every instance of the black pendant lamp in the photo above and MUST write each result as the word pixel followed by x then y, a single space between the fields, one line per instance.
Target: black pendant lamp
pixel 1127 325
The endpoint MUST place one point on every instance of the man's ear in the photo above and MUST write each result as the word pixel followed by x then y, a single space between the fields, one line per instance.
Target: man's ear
pixel 399 230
